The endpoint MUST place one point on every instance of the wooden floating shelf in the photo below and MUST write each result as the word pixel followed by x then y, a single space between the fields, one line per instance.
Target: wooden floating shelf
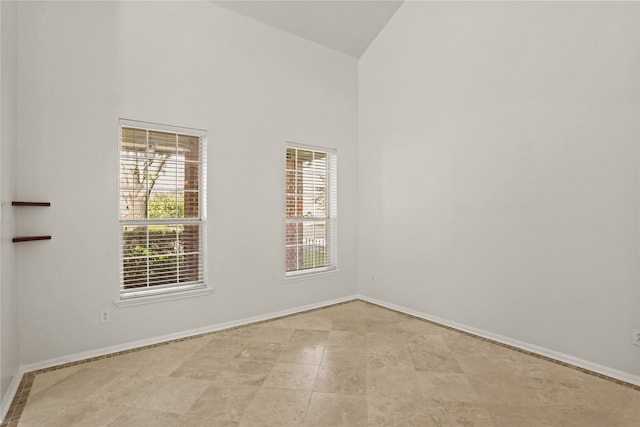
pixel 30 204
pixel 30 238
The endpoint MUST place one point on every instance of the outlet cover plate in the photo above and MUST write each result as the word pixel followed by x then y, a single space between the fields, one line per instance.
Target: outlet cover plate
pixel 105 316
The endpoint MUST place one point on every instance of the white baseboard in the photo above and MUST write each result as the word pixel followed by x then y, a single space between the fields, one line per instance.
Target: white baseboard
pixel 10 394
pixel 585 364
pixel 178 335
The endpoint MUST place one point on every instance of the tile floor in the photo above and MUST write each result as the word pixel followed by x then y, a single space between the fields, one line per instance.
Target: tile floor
pixel 353 364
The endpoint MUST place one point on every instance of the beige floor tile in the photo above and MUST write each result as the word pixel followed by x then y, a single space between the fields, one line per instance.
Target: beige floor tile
pixel 43 409
pixel 409 326
pixel 261 351
pixel 344 356
pixel 55 412
pixel 483 363
pixel 272 334
pixel 409 411
pixel 383 326
pixel 220 347
pixel 458 414
pixel 124 390
pixel 392 357
pixel 175 395
pixel 84 414
pixel 386 343
pixel 606 395
pixel 45 380
pixel 194 421
pixel 349 323
pixel 499 361
pixel 145 418
pixel 435 342
pixel 446 387
pixel 276 407
pixel 562 389
pixel 506 390
pixel 308 354
pixel 426 337
pixel 345 311
pixel 127 362
pixel 430 358
pixel 156 361
pixel 336 410
pixel 223 402
pixel 347 339
pixel 521 416
pixel 556 416
pixel 152 362
pixel 247 372
pixel 190 345
pixel 163 365
pixel 76 385
pixel 341 379
pixel 459 342
pixel 201 366
pixel 309 337
pixel 391 383
pixel 292 376
pixel 373 312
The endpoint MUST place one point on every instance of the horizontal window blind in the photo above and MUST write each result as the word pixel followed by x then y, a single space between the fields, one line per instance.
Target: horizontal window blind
pixel 310 210
pixel 161 209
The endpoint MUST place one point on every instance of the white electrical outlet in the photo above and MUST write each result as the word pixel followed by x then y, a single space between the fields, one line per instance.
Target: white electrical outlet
pixel 105 316
pixel 635 339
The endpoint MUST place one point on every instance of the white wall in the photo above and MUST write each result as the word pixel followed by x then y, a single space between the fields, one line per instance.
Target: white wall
pixel 82 66
pixel 498 171
pixel 498 166
pixel 9 347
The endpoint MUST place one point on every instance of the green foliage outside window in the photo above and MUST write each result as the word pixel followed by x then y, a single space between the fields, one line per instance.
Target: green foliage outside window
pixel 163 205
pixel 163 251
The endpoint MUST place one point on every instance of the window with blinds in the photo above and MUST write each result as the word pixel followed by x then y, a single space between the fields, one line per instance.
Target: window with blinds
pixel 162 209
pixel 310 210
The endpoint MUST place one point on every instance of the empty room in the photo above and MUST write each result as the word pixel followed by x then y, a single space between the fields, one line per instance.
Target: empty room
pixel 320 213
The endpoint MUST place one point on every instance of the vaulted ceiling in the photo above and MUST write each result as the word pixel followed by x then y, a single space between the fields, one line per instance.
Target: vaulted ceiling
pixel 348 26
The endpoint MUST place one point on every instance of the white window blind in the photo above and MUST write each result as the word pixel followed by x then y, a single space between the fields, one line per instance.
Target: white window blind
pixel 311 210
pixel 162 209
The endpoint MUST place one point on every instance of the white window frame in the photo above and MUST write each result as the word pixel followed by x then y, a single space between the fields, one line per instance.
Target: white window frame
pixel 331 218
pixel 175 290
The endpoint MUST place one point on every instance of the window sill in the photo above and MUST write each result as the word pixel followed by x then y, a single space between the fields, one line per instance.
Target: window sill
pixel 300 277
pixel 168 296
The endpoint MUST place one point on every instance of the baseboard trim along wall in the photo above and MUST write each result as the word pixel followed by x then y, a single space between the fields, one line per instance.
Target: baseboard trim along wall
pixel 10 394
pixel 531 348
